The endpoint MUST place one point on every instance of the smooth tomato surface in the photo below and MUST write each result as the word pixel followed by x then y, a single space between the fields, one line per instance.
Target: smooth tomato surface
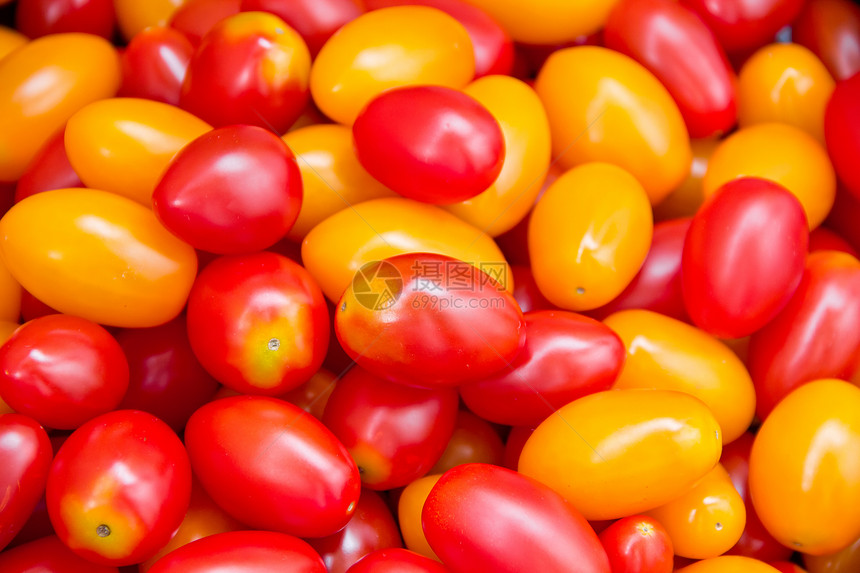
pixel 396 561
pixel 637 544
pixel 842 132
pixel 154 64
pixel 831 29
pixel 50 555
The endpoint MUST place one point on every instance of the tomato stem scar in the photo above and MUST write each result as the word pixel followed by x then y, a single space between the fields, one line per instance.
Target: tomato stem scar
pixel 103 530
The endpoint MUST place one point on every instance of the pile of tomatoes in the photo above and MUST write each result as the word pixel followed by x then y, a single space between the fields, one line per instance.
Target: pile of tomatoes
pixel 430 286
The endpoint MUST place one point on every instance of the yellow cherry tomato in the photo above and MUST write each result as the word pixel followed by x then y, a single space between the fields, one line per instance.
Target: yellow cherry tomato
pixel 729 564
pixel 588 236
pixel 375 230
pixel 780 153
pixel 10 296
pixel 707 520
pixel 548 21
pixel 604 106
pixel 669 354
pixel 845 561
pixel 409 508
pixel 622 452
pixel 805 468
pixel 525 128
pixel 42 84
pixel 123 145
pixel 686 199
pixel 10 40
pixel 135 15
pixel 785 83
pixel 392 47
pixel 98 256
pixel 332 177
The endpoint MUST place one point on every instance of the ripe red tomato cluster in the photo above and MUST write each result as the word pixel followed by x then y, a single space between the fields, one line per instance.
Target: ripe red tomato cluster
pixel 429 286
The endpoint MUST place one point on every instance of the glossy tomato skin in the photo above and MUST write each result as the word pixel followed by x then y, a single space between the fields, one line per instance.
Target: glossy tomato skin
pixel 50 169
pixel 258 323
pixel 637 544
pixel 69 69
pixel 154 65
pixel 133 17
pixel 474 441
pixel 664 440
pixel 10 40
pixel 831 29
pixel 50 555
pixel 238 448
pixel 315 20
pixel 98 256
pixel 396 561
pixel 744 25
pixel 750 223
pixel 429 143
pixel 547 22
pixel 815 336
pixel 728 563
pixel 566 356
pixel 37 18
pixel 371 528
pixel 676 46
pixel 236 189
pixel 410 505
pixel 126 471
pixel 803 479
pixel 196 18
pixel 555 538
pixel 394 433
pixel 657 285
pixel 62 371
pixel 166 379
pixel 27 458
pixel 842 132
pixel 251 68
pixel 243 552
pixel 446 322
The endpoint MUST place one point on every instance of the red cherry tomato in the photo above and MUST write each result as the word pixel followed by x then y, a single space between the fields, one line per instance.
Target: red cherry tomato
pixel 315 20
pixel 816 334
pixel 49 170
pixel 371 528
pixel 242 552
pixel 751 224
pixel 26 454
pixel 258 323
pixel 566 356
pixel 236 189
pixel 154 65
pixel 165 377
pixel 676 46
pixel 430 143
pixel 48 555
pixel 483 517
pixel 37 18
pixel 474 441
pixel 396 561
pixel 844 215
pixel 251 68
pixel 119 487
pixel 842 132
pixel 638 544
pixel 741 26
pixel 272 466
pixel 517 439
pixel 494 49
pixel 823 239
pixel 62 370
pixel 657 286
pixel 831 29
pixel 526 291
pixel 393 432
pixel 786 567
pixel 423 319
pixel 196 18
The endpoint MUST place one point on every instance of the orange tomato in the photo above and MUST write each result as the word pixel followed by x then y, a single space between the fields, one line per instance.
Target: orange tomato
pixel 10 40
pixel 332 177
pixel 785 83
pixel 123 145
pixel 728 564
pixel 669 354
pixel 686 199
pixel 375 230
pixel 780 153
pixel 588 236
pixel 844 561
pixel 525 128
pixel 383 49
pixel 133 15
pixel 707 520
pixel 42 84
pixel 805 468
pixel 98 256
pixel 623 452
pixel 604 106
pixel 409 508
